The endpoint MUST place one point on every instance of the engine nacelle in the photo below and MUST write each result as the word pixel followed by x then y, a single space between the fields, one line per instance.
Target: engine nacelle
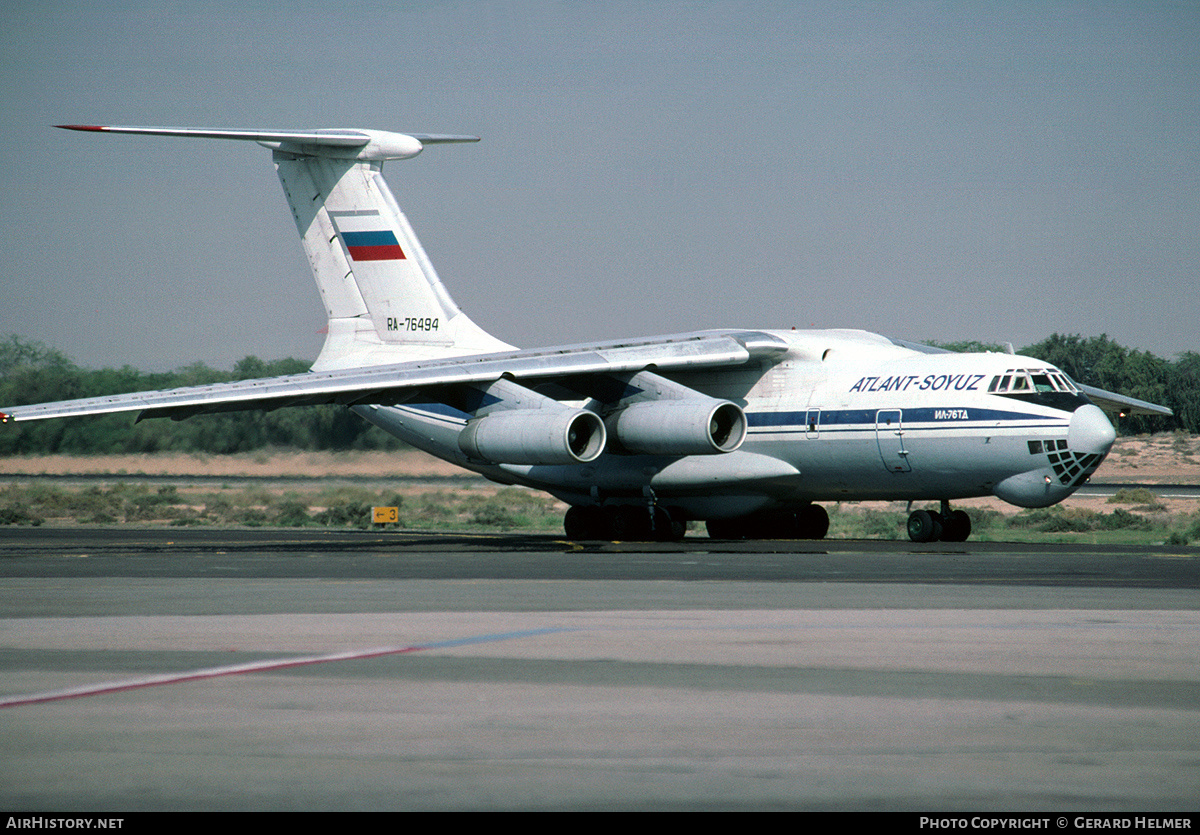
pixel 692 426
pixel 535 436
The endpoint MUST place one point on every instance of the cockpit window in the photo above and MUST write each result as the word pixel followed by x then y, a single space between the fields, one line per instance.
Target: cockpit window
pixel 1047 386
pixel 1041 382
pixel 1028 381
pixel 1064 382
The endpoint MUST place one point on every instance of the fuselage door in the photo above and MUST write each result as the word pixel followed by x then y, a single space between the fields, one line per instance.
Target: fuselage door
pixel 813 423
pixel 889 433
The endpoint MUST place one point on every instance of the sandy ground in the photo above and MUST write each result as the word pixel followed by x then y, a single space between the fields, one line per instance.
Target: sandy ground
pixel 273 464
pixel 1152 459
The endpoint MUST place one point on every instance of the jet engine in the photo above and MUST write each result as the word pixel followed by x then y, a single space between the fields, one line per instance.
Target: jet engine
pixel 692 426
pixel 535 436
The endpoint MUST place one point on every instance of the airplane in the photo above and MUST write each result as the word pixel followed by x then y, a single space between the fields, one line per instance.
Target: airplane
pixel 745 430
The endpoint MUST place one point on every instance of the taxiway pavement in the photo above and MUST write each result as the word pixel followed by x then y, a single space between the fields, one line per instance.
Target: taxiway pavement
pixel 402 671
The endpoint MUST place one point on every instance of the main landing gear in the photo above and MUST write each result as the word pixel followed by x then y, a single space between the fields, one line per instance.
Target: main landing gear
pixel 808 521
pixel 628 523
pixel 930 526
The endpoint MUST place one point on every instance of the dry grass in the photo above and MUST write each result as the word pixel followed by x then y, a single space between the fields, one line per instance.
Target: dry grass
pixel 1143 460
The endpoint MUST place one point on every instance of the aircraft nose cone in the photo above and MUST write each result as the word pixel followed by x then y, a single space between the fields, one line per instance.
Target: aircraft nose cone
pixel 1090 432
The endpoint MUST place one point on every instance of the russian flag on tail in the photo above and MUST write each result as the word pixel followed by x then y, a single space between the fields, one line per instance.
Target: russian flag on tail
pixel 373 246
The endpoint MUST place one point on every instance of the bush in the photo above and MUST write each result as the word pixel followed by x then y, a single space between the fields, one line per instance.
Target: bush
pixel 1121 519
pixel 1138 496
pixel 882 524
pixel 252 518
pixel 1058 519
pixel 1030 518
pixel 19 516
pixel 494 515
pixel 349 514
pixel 219 509
pixel 291 514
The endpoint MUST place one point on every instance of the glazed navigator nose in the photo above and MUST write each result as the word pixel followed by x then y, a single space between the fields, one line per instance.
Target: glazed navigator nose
pixel 1090 432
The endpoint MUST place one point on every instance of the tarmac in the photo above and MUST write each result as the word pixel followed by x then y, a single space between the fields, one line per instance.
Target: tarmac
pixel 202 670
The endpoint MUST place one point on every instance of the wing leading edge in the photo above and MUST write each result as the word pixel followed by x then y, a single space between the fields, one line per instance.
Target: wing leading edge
pixel 1119 404
pixel 352 143
pixel 390 384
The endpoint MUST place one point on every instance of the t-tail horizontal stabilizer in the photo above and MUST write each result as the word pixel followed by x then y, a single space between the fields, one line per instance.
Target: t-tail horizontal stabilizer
pixel 337 143
pixel 383 298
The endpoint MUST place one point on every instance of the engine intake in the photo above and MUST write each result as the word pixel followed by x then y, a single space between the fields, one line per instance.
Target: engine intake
pixel 535 436
pixel 693 426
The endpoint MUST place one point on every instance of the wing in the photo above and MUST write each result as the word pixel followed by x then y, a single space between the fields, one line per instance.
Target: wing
pixel 1121 405
pixel 391 384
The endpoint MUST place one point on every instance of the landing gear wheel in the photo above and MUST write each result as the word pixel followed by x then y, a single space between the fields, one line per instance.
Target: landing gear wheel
pixel 668 525
pixel 812 522
pixel 924 526
pixel 725 529
pixel 627 523
pixel 585 522
pixel 630 523
pixel 773 524
pixel 956 526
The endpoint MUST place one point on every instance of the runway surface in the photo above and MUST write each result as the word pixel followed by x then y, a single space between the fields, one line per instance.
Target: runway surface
pixel 301 670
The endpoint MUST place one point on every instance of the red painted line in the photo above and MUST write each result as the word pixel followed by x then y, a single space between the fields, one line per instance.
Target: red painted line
pixel 258 667
pixel 198 675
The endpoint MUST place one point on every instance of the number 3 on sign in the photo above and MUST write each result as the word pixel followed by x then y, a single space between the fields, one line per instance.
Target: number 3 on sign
pixel 386 515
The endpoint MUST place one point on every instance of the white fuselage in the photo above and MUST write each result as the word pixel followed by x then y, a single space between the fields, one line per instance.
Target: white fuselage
pixel 842 416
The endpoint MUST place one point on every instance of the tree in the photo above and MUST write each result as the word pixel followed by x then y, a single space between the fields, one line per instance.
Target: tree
pixel 1098 361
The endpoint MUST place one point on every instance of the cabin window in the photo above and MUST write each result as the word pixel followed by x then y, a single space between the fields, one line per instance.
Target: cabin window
pixel 1041 382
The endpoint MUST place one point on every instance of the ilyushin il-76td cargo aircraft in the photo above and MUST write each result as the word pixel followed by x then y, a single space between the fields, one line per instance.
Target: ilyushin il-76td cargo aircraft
pixel 743 429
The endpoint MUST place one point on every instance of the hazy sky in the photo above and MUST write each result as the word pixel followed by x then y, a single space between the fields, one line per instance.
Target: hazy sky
pixel 992 171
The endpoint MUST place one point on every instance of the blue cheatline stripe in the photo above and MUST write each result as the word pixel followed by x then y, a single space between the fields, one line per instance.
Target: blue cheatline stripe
pixel 859 417
pixel 384 237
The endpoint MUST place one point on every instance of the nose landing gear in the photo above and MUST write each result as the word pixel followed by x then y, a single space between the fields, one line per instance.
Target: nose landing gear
pixel 931 526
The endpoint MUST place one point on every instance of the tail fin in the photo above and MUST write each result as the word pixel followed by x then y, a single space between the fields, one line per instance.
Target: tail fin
pixel 383 297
